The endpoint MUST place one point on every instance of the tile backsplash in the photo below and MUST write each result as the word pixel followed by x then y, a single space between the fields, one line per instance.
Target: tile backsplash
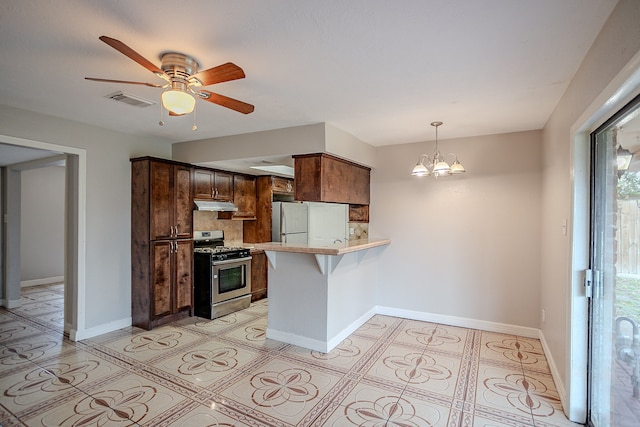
pixel 358 230
pixel 206 220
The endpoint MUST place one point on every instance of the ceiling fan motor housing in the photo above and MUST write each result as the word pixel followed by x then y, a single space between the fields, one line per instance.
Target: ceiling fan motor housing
pixel 180 67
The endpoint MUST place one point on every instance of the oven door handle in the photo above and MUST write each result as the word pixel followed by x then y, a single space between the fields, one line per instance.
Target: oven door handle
pixel 231 261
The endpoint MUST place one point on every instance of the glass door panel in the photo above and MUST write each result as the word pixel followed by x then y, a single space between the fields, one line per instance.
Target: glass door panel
pixel 614 306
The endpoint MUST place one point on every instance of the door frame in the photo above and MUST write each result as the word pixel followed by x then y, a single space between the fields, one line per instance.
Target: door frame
pixel 620 91
pixel 75 232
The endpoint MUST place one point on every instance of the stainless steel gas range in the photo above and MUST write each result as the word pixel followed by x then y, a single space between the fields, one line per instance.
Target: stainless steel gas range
pixel 222 275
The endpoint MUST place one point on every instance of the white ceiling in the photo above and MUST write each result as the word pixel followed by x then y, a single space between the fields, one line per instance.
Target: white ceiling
pixel 380 70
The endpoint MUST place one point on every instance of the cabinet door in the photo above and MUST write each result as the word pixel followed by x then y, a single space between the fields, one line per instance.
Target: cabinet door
pixel 244 196
pixel 223 186
pixel 203 184
pixel 358 213
pixel 183 289
pixel 325 178
pixel 161 254
pixel 183 205
pixel 161 210
pixel 282 185
pixel 259 269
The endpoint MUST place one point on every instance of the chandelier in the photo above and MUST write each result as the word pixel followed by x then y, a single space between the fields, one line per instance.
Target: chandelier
pixel 436 165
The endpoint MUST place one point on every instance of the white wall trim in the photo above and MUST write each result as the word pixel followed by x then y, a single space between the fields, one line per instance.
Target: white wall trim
pixel 77 247
pixel 78 335
pixel 621 90
pixel 462 322
pixel 294 339
pixel 318 345
pixel 555 374
pixel 43 281
pixel 13 304
pixel 351 328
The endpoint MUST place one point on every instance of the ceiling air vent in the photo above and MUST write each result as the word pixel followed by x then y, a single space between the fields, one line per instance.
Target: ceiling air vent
pixel 127 98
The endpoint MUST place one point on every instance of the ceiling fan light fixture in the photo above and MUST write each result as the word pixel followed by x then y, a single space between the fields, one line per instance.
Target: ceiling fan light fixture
pixel 178 102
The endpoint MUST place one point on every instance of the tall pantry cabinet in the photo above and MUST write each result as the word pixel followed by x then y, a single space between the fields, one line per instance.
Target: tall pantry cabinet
pixel 162 245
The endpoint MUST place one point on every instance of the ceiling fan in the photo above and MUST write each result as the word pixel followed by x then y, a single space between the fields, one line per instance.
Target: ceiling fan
pixel 183 80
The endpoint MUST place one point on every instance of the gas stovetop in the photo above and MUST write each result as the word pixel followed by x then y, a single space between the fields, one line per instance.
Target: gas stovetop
pixel 217 249
pixel 211 243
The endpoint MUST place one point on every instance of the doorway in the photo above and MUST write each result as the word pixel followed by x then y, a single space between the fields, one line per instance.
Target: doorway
pixel 613 281
pixel 74 232
pixel 42 197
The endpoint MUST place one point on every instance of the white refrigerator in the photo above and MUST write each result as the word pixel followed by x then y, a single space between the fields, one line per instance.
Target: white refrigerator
pixel 313 223
pixel 289 222
pixel 328 223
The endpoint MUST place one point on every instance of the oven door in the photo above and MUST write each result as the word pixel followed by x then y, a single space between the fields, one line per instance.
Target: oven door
pixel 231 279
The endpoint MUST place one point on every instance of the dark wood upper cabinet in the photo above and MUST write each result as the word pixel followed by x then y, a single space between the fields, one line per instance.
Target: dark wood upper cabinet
pixel 325 178
pixel 358 213
pixel 244 197
pixel 203 184
pixel 281 185
pixel 170 207
pixel 210 184
pixel 223 184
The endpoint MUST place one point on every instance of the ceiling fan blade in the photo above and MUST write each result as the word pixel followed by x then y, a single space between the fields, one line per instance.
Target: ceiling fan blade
pixel 171 113
pixel 132 54
pixel 219 74
pixel 122 81
pixel 225 101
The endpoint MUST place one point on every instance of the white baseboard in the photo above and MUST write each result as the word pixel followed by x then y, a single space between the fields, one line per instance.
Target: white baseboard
pixel 462 322
pixel 333 342
pixel 557 379
pixel 327 346
pixel 12 303
pixel 318 345
pixel 298 340
pixel 43 281
pixel 79 335
pixel 487 326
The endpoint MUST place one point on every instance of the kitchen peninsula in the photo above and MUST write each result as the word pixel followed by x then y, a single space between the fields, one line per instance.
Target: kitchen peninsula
pixel 318 295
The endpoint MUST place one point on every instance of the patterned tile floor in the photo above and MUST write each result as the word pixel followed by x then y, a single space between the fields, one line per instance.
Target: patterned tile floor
pixel 225 372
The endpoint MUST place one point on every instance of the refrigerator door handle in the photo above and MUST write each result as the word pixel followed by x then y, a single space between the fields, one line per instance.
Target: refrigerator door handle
pixel 283 226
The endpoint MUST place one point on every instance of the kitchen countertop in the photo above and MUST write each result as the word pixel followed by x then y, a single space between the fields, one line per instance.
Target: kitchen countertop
pixel 333 249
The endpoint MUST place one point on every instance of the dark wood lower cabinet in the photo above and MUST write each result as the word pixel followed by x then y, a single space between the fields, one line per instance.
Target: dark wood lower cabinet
pixel 259 270
pixel 171 293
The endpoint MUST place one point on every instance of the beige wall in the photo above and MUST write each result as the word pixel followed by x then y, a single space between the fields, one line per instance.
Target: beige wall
pixel 278 142
pixel 468 245
pixel 107 298
pixel 315 138
pixel 613 50
pixel 42 223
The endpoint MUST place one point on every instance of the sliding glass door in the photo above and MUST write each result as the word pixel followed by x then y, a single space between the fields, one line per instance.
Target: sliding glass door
pixel 613 283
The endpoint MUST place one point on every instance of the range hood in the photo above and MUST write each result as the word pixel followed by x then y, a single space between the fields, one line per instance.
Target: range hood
pixel 206 205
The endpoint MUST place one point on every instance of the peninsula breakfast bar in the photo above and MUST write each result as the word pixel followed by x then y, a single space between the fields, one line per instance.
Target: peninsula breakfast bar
pixel 318 295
